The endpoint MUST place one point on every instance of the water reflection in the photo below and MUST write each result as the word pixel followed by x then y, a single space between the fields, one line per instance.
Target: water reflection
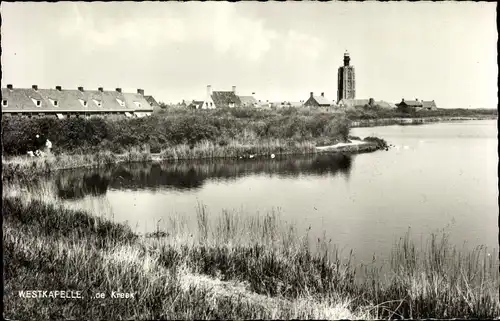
pixel 71 186
pixel 77 184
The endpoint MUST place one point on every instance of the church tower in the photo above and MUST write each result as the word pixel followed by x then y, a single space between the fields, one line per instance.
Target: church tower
pixel 346 80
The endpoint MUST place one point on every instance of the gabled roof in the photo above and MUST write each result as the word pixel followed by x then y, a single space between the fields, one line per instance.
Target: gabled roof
pixel 247 100
pixel 20 99
pixel 412 103
pixel 133 100
pixel 428 104
pixel 224 98
pixel 152 102
pixel 385 104
pixel 322 100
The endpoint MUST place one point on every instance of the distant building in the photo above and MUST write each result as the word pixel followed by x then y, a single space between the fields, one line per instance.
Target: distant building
pixel 350 103
pixel 208 103
pixel 409 105
pixel 225 99
pixel 152 102
pixel 385 105
pixel 62 103
pixel 346 80
pixel 318 101
pixel 264 104
pixel 248 101
pixel 287 104
pixel 195 104
pixel 429 105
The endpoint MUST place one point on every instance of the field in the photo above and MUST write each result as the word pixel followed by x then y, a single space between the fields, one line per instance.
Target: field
pixel 232 266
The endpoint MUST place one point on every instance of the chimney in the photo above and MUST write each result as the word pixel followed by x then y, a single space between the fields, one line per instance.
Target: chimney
pixel 234 90
pixel 100 89
pixel 80 88
pixel 58 88
pixel 9 86
pixel 312 94
pixel 118 90
pixel 140 91
pixel 402 100
pixel 209 91
pixel 416 99
pixel 322 94
pixel 35 87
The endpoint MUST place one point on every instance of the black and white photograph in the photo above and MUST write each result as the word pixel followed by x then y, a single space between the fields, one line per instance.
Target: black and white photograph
pixel 306 160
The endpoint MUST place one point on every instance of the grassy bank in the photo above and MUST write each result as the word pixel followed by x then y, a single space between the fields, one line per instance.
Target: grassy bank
pixel 24 166
pixel 413 120
pixel 374 113
pixel 231 266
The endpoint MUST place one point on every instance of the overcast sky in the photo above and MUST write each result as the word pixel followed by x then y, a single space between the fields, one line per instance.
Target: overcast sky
pixel 281 51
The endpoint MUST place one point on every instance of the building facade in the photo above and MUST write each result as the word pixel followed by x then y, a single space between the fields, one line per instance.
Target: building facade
pixel 318 101
pixel 346 80
pixel 225 99
pixel 64 103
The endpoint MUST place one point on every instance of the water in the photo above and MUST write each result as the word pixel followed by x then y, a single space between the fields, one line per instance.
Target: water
pixel 438 176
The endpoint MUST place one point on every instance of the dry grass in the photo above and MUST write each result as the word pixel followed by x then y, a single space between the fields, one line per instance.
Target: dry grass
pixel 229 266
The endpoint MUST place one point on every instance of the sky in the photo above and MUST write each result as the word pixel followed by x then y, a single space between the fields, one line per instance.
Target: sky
pixel 281 51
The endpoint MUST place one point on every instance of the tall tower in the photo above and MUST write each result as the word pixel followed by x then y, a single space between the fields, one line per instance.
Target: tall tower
pixel 346 80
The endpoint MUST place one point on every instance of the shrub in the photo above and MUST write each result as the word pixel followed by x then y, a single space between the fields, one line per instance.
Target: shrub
pixel 173 126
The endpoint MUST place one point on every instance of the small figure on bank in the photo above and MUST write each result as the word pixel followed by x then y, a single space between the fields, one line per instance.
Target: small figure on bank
pixel 48 146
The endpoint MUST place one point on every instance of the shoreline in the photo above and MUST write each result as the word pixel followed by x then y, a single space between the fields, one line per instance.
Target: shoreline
pixel 20 166
pixel 359 123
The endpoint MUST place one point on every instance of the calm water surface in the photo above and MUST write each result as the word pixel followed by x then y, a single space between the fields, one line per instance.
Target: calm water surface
pixel 438 176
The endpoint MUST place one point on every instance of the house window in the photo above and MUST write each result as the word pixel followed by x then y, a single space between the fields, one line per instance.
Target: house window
pixel 83 102
pixel 37 102
pixel 54 102
pixel 121 102
pixel 98 103
pixel 5 103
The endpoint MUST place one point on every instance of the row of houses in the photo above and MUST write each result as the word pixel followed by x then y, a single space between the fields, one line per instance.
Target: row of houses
pixel 63 103
pixel 224 99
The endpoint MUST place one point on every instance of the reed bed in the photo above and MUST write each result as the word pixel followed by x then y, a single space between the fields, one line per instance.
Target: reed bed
pixel 27 167
pixel 230 265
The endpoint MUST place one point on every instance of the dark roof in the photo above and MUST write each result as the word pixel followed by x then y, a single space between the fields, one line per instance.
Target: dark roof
pixel 21 99
pixel 224 98
pixel 411 103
